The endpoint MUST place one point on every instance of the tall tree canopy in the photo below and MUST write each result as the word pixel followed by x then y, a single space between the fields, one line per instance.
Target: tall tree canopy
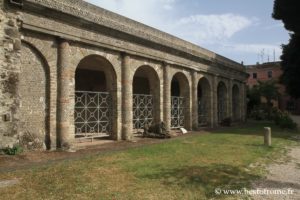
pixel 289 12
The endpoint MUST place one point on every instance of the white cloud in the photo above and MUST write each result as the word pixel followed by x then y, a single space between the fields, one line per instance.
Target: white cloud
pixel 258 52
pixel 213 31
pixel 253 48
pixel 149 12
pixel 211 28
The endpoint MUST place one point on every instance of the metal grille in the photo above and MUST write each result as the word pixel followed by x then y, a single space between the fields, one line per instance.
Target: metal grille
pixel 92 113
pixel 177 112
pixel 202 113
pixel 142 110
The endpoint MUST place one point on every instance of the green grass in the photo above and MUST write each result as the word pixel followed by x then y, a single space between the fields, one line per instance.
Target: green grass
pixel 183 168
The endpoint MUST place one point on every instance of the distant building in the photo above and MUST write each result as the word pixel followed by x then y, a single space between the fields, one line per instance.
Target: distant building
pixel 272 71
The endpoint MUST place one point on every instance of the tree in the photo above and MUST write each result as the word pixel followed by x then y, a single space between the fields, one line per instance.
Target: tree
pixel 289 12
pixel 269 91
pixel 266 89
pixel 254 98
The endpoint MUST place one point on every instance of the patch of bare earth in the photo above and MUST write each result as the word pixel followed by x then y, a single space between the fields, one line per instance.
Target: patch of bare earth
pixel 283 179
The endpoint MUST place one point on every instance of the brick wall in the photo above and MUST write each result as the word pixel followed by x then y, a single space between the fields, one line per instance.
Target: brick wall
pixel 33 109
pixel 10 44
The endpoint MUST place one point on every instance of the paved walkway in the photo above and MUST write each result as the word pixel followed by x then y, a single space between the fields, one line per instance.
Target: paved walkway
pixel 283 177
pixel 296 119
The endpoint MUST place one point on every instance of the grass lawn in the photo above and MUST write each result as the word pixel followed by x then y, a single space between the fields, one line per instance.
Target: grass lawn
pixel 182 168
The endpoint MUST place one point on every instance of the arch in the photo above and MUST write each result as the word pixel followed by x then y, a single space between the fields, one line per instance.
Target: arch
pixel 34 91
pixel 146 96
pixel 222 101
pixel 235 103
pixel 204 102
pixel 95 98
pixel 180 101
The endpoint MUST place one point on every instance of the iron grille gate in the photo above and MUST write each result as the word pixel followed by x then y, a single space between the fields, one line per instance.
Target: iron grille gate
pixel 202 113
pixel 177 112
pixel 92 114
pixel 142 110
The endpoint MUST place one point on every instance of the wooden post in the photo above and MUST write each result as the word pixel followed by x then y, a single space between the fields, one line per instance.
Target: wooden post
pixel 267 136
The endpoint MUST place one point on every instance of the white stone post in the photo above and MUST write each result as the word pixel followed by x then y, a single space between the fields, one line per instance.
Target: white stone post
pixel 267 136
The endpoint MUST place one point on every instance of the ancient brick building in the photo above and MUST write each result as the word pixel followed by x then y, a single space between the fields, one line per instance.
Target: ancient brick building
pixel 70 68
pixel 272 71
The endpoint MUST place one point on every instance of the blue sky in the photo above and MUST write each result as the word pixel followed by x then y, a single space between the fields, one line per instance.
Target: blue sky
pixel 242 30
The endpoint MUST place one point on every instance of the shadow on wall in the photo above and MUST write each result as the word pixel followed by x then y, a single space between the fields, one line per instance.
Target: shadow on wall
pixel 205 178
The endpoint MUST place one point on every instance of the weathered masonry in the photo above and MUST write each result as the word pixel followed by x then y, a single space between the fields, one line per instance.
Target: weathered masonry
pixel 69 69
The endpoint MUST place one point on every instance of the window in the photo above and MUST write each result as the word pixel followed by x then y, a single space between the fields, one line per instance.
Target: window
pixel 254 75
pixel 269 74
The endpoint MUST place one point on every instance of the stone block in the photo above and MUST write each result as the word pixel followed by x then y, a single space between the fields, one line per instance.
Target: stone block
pixel 12 32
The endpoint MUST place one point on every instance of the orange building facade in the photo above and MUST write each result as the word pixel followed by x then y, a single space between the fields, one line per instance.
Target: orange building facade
pixel 272 71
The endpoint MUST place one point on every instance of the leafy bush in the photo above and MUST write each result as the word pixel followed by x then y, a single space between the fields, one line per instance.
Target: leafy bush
pixel 13 150
pixel 286 122
pixel 283 119
pixel 226 121
pixel 259 113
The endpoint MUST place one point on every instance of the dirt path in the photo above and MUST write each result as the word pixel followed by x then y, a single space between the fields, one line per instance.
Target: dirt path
pixel 296 119
pixel 283 177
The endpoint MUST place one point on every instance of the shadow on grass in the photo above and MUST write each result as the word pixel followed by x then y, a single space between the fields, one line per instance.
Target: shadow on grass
pixel 256 128
pixel 205 178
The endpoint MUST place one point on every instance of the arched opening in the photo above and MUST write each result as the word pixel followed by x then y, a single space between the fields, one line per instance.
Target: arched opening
pixel 95 98
pixel 34 91
pixel 204 103
pixel 222 101
pixel 180 101
pixel 235 103
pixel 146 97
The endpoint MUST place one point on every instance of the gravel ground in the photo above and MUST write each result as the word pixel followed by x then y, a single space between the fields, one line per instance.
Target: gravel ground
pixel 284 176
pixel 296 119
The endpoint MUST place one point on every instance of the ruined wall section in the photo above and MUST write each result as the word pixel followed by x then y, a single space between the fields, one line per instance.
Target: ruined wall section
pixel 10 45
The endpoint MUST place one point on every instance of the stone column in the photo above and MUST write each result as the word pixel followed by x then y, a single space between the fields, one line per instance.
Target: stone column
pixel 194 101
pixel 65 113
pixel 229 105
pixel 215 101
pixel 167 97
pixel 127 115
pixel 244 102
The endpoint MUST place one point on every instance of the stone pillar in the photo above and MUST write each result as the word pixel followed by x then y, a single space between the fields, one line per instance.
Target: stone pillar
pixel 241 104
pixel 167 97
pixel 194 101
pixel 229 105
pixel 244 101
pixel 127 115
pixel 65 113
pixel 215 101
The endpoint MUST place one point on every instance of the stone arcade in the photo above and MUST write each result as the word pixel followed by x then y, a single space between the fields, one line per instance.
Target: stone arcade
pixel 69 68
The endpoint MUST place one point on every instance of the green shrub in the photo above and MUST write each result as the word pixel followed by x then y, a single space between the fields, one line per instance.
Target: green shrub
pixel 282 119
pixel 13 151
pixel 258 114
pixel 276 115
pixel 286 122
